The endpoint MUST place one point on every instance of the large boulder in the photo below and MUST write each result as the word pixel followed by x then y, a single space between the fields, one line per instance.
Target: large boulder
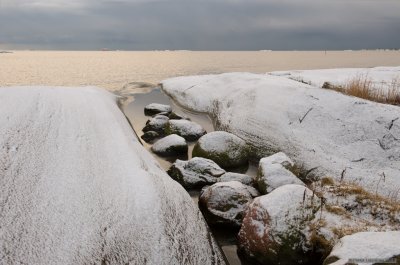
pixel 103 199
pixel 242 178
pixel 157 124
pixel 226 149
pixel 195 173
pixel 274 171
pixel 274 229
pixel 366 248
pixel 189 130
pixel 155 108
pixel 225 203
pixel 171 145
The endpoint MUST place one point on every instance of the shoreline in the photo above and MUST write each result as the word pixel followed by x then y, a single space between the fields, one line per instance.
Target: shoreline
pixel 112 70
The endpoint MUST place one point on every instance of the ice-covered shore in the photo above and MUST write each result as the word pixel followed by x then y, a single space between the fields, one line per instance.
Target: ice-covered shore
pixel 328 133
pixel 76 187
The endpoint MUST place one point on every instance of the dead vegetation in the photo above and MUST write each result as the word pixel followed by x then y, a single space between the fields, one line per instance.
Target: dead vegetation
pixel 363 87
pixel 352 200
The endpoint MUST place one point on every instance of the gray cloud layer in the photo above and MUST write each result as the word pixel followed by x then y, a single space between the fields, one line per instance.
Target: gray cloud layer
pixel 200 24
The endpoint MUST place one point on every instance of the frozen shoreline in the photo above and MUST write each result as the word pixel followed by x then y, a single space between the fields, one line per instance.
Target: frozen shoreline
pixel 324 131
pixel 77 187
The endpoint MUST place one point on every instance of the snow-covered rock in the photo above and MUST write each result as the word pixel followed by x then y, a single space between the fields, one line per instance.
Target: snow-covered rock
pixel 366 248
pixel 278 158
pixel 381 77
pixel 170 145
pixel 77 187
pixel 273 172
pixel 189 130
pixel 242 178
pixel 155 108
pixel 195 173
pixel 225 203
pixel 150 136
pixel 274 227
pixel 176 116
pixel 331 133
pixel 157 124
pixel 225 149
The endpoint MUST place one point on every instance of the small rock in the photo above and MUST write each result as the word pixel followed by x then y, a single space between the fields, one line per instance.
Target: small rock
pixel 242 178
pixel 273 172
pixel 172 145
pixel 176 116
pixel 157 124
pixel 224 148
pixel 274 229
pixel 195 173
pixel 162 113
pixel 226 202
pixel 374 246
pixel 155 108
pixel 150 136
pixel 189 130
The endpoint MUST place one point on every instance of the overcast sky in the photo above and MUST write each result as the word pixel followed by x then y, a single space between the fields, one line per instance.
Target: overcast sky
pixel 199 24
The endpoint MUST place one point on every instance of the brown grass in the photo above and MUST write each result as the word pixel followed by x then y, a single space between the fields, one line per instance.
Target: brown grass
pixel 362 87
pixel 345 231
pixel 378 206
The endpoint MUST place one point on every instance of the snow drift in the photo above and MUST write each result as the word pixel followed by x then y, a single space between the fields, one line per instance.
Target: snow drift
pixel 381 77
pixel 325 132
pixel 76 187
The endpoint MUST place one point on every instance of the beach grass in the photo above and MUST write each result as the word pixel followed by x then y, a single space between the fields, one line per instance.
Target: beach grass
pixel 362 86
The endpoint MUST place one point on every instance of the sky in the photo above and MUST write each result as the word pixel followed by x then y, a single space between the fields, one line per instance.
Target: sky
pixel 200 24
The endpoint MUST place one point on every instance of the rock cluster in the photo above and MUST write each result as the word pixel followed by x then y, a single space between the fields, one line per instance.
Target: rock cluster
pixel 278 218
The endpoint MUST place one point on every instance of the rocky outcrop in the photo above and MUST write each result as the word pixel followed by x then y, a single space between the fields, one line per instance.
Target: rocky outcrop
pixel 224 148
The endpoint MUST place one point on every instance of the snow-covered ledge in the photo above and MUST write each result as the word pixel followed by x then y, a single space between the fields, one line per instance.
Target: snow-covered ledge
pixel 76 187
pixel 333 134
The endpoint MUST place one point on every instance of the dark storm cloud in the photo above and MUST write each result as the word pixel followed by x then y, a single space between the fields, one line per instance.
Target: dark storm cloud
pixel 200 25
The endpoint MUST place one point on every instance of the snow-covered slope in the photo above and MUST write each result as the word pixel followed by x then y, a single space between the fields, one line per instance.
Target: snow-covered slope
pixel 76 187
pixel 334 134
pixel 381 77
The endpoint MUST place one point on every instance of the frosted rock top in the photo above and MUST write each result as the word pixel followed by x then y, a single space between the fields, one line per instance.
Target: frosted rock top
pixel 366 245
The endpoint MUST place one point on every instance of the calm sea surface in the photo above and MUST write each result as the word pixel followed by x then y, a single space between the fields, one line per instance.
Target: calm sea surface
pixel 114 69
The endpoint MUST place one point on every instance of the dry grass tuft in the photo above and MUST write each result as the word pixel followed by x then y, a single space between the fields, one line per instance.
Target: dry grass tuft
pixel 327 181
pixel 338 210
pixel 362 87
pixel 372 204
pixel 345 231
